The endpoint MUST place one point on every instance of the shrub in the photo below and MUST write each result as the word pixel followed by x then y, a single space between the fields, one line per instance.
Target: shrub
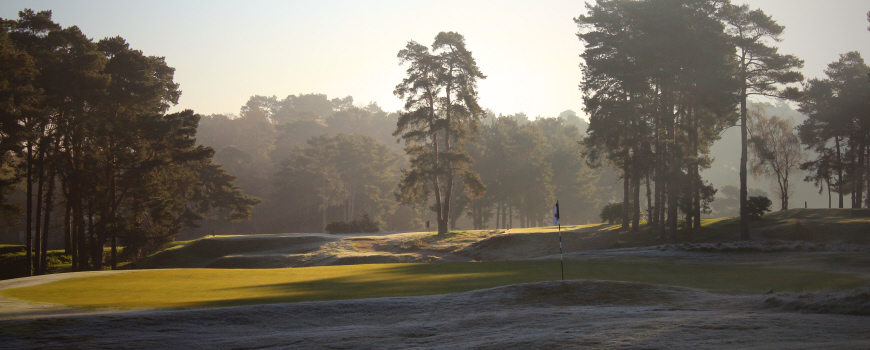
pixel 8 248
pixel 757 206
pixel 14 265
pixel 363 224
pixel 366 224
pixel 339 227
pixel 611 213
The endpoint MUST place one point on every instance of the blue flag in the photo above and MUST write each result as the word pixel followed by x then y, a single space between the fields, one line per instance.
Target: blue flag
pixel 556 214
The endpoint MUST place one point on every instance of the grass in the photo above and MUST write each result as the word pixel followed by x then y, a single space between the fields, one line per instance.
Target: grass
pixel 201 252
pixel 845 229
pixel 800 213
pixel 552 228
pixel 186 288
pixel 712 230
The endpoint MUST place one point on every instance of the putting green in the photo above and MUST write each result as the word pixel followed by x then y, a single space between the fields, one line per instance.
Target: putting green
pixel 183 288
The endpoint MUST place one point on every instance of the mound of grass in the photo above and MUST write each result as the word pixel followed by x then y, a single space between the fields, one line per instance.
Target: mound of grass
pixel 203 251
pixel 810 214
pixel 845 229
pixel 849 302
pixel 183 288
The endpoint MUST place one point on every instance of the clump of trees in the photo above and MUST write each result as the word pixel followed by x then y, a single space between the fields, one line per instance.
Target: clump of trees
pixel 524 165
pixel 313 159
pixel 349 173
pixel 838 129
pixel 662 80
pixel 84 129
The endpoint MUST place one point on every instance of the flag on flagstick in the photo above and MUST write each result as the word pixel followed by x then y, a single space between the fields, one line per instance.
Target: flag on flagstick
pixel 556 222
pixel 556 214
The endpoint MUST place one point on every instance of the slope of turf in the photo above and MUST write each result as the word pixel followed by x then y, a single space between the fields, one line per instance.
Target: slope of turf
pixel 182 288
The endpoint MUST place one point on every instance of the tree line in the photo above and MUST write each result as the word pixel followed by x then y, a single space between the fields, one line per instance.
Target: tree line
pixel 330 160
pixel 84 129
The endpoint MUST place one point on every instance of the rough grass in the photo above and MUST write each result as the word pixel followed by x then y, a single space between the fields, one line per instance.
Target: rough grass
pixel 845 229
pixel 849 302
pixel 183 288
pixel 810 213
pixel 276 251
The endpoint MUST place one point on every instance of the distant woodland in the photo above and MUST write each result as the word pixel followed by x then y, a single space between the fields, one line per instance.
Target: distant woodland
pixel 300 152
pixel 91 160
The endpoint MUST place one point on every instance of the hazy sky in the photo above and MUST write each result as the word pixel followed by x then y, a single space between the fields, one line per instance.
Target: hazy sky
pixel 224 52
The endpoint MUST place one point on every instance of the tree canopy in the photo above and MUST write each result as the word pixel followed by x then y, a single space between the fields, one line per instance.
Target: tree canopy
pixel 86 124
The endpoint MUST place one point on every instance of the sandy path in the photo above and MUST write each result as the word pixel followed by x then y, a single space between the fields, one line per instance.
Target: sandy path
pixel 14 308
pixel 570 315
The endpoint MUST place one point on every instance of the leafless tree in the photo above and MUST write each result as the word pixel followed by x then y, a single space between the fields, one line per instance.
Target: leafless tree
pixel 776 151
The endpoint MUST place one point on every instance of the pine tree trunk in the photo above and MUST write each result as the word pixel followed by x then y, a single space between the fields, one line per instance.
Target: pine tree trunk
pixel 839 171
pixel 744 214
pixel 673 168
pixel 67 227
pixel 696 173
pixel 511 216
pixel 657 196
pixel 663 202
pixel 649 208
pixel 635 187
pixel 45 227
pixel 829 193
pixel 38 229
pixel 111 224
pixel 626 192
pixel 866 174
pixel 28 243
pixel 859 173
pixel 96 250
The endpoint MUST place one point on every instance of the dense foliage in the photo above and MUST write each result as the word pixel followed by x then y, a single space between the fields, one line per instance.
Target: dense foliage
pixel 525 165
pixel 758 205
pixel 363 224
pixel 662 80
pixel 838 129
pixel 85 127
pixel 612 213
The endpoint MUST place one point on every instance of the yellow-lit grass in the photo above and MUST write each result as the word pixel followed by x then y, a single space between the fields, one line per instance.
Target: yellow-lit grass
pixel 184 288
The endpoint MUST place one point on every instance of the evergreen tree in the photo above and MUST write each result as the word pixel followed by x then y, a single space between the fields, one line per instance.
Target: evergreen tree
pixel 440 115
pixel 838 127
pixel 658 89
pixel 761 70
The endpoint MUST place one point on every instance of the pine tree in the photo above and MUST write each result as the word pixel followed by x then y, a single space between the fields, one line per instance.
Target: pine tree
pixel 440 115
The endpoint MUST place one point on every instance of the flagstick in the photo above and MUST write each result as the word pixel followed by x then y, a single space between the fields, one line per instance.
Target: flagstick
pixel 561 263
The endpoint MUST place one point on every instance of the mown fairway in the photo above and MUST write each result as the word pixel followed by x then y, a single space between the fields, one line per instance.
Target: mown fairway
pixel 183 288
